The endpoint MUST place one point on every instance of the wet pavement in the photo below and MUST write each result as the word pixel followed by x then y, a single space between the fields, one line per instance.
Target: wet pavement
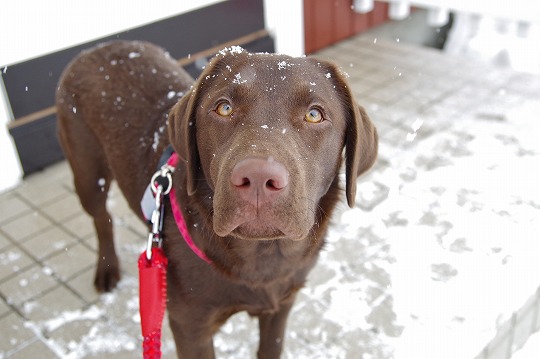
pixel 439 259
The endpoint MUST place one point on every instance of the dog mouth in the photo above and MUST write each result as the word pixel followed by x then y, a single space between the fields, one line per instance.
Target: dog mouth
pixel 255 231
pixel 258 228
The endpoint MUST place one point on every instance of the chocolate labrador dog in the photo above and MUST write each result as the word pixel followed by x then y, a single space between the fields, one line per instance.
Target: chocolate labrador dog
pixel 261 138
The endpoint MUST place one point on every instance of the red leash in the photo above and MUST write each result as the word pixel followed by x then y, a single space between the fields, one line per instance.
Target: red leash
pixel 153 262
pixel 152 300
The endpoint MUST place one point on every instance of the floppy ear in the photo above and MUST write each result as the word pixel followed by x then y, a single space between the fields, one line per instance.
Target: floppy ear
pixel 361 140
pixel 182 136
pixel 361 144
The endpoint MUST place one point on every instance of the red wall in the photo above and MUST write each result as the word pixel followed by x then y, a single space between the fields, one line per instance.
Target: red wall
pixel 329 21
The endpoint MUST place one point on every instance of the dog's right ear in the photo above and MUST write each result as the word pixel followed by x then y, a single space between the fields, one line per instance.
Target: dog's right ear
pixel 182 136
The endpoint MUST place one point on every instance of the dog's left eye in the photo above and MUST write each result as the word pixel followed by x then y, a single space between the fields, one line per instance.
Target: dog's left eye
pixel 224 109
pixel 314 115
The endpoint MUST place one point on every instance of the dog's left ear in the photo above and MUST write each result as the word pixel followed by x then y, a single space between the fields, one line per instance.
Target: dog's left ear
pixel 182 136
pixel 361 146
pixel 361 139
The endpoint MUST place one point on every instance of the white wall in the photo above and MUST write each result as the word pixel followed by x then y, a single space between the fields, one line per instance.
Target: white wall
pixel 31 28
pixel 38 27
pixel 285 21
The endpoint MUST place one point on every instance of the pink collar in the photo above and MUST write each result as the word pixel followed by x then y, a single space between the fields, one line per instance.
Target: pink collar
pixel 179 218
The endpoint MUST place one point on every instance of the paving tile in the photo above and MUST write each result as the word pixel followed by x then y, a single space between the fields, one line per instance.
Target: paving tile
pixel 116 203
pixel 4 242
pixel 11 207
pixel 91 242
pixel 126 237
pixel 4 308
pixel 14 333
pixel 63 208
pixel 60 173
pixel 75 336
pixel 52 175
pixel 80 226
pixel 47 242
pixel 68 263
pixel 51 306
pixel 27 285
pixel 129 246
pixel 36 349
pixel 13 260
pixel 108 328
pixel 25 225
pixel 131 221
pixel 41 193
pixel 83 285
pixel 136 225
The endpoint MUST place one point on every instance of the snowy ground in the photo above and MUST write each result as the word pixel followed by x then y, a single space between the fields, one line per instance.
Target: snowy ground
pixel 440 251
pixel 531 348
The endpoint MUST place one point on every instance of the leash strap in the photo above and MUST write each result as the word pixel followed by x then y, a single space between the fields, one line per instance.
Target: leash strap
pixel 153 262
pixel 179 218
pixel 153 270
pixel 152 300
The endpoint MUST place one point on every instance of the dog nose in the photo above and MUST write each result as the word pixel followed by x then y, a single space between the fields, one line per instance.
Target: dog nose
pixel 259 181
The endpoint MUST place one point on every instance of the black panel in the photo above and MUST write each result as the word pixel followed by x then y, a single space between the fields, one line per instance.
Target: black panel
pixel 37 144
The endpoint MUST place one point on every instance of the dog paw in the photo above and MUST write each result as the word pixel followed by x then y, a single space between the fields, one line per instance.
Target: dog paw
pixel 107 277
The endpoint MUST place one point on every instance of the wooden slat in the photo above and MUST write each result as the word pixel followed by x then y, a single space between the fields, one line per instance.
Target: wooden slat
pixel 21 121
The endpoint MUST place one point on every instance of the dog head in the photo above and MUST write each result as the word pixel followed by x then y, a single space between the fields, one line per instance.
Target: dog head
pixel 265 134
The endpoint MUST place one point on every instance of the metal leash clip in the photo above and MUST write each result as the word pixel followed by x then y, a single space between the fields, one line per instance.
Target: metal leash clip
pixel 161 184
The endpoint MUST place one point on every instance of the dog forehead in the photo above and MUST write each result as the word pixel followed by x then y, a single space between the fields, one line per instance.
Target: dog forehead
pixel 241 67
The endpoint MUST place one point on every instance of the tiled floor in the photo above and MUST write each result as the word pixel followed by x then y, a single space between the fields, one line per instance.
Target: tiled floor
pixel 400 277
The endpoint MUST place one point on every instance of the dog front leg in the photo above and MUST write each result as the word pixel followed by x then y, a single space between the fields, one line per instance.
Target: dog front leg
pixel 192 342
pixel 108 268
pixel 272 332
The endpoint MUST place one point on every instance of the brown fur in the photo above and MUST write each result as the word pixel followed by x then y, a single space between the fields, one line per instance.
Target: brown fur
pixel 112 105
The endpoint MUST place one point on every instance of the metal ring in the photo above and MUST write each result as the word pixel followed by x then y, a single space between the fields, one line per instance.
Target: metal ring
pixel 164 172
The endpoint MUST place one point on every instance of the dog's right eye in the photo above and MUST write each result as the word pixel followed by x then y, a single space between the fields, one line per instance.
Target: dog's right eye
pixel 314 115
pixel 224 109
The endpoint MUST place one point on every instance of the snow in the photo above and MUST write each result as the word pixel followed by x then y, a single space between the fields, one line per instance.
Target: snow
pixel 233 50
pixel 460 237
pixel 238 79
pixel 157 137
pixel 531 349
pixel 92 313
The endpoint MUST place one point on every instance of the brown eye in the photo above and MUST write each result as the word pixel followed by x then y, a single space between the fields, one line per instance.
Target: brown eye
pixel 224 109
pixel 314 116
